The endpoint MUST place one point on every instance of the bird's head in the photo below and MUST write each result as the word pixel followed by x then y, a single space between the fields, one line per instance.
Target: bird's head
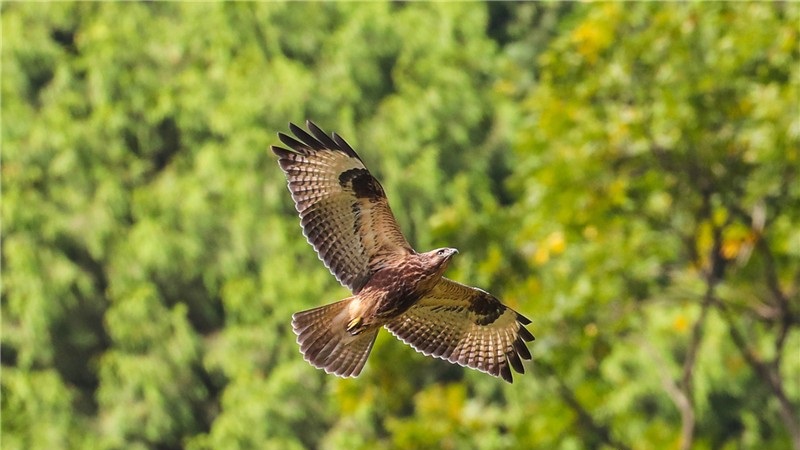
pixel 441 256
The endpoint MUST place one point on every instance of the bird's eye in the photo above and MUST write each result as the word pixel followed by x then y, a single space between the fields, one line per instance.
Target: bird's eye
pixel 440 252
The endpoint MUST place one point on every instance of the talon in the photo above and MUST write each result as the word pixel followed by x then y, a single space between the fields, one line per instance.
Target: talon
pixel 355 323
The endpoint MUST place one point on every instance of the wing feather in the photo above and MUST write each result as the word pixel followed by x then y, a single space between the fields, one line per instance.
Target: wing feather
pixel 343 209
pixel 466 326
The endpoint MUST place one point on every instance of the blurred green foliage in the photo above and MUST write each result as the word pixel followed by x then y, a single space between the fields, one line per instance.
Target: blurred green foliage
pixel 624 174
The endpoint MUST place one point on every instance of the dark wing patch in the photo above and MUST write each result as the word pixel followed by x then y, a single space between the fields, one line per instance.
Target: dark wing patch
pixel 486 308
pixel 466 326
pixel 343 209
pixel 362 183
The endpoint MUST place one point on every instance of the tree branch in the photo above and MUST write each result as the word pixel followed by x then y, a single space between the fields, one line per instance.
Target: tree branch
pixel 682 393
pixel 586 420
pixel 678 394
pixel 780 297
pixel 768 374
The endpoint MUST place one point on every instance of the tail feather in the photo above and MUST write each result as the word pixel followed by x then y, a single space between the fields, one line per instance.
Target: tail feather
pixel 326 343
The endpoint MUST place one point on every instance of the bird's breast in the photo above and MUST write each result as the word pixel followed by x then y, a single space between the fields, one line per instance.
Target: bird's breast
pixel 394 290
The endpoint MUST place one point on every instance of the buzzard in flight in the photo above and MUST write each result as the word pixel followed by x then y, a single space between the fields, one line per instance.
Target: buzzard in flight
pixel 346 218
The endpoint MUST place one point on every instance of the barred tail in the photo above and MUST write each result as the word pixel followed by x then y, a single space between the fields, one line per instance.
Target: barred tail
pixel 327 344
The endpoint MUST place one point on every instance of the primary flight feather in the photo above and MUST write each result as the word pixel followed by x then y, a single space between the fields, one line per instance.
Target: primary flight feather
pixel 347 219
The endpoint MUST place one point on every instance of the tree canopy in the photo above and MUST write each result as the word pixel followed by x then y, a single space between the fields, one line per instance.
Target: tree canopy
pixel 626 175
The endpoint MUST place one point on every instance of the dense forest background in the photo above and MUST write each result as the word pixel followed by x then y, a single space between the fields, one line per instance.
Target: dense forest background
pixel 626 175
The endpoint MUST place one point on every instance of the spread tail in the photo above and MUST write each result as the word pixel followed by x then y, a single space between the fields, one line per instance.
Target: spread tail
pixel 326 342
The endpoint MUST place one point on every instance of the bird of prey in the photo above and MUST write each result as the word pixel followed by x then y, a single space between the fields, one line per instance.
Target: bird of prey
pixel 346 218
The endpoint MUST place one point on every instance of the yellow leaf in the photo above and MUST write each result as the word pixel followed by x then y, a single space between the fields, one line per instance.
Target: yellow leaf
pixel 680 324
pixel 590 232
pixel 542 255
pixel 730 248
pixel 596 34
pixel 556 242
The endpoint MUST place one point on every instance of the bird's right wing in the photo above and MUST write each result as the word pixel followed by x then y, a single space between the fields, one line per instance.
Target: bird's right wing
pixel 343 209
pixel 466 326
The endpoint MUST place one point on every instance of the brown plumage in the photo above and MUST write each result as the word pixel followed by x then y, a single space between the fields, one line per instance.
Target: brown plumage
pixel 346 218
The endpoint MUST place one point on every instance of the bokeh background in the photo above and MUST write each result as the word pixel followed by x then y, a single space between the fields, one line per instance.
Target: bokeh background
pixel 625 174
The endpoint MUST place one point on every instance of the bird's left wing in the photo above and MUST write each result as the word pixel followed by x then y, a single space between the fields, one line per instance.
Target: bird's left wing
pixel 466 326
pixel 343 209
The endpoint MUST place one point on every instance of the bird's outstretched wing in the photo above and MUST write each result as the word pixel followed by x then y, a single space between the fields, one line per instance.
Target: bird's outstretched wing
pixel 343 209
pixel 466 326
